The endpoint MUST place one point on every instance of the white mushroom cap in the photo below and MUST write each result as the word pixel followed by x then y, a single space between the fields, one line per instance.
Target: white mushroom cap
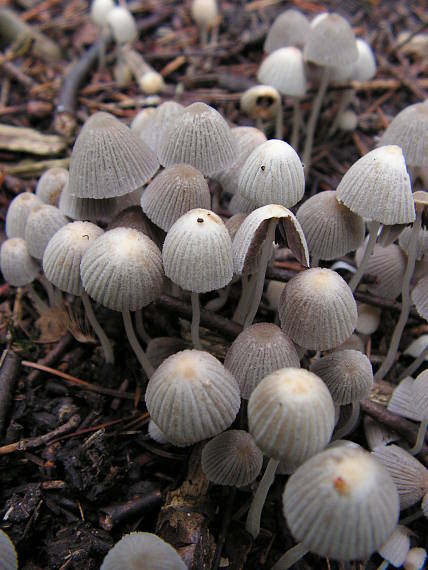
pixel 43 222
pixel 291 415
pixel 273 174
pixel 401 401
pixel 348 488
pixel 122 270
pixel 17 266
pixel 122 24
pixel 8 556
pixel 422 242
pixel 377 187
pixel 64 252
pixel 142 551
pixel 232 458
pixel 156 433
pixel 377 434
pixel 240 205
pixel 348 121
pixel 284 69
pixel 420 297
pixel 331 42
pixel 396 548
pixel 420 394
pixel 365 66
pixel 388 265
pixel 197 252
pixel 50 185
pixel 290 28
pixel 88 209
pixel 100 10
pixel 191 397
pixel 204 12
pixel 415 559
pixel 153 129
pixel 260 102
pixel 17 214
pixel 368 318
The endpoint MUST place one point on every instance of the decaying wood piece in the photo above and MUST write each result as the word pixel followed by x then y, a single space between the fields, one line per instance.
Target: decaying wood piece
pixel 9 366
pixel 30 168
pixel 21 139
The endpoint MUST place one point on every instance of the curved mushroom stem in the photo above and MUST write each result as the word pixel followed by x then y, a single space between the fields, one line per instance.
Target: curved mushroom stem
pixel 254 514
pixel 139 325
pixel 313 119
pixel 420 438
pixel 136 347
pixel 292 556
pixel 266 254
pixel 405 299
pixel 99 331
pixel 383 566
pixel 297 121
pixel 279 122
pixel 196 317
pixel 350 423
pixel 415 364
pixel 356 278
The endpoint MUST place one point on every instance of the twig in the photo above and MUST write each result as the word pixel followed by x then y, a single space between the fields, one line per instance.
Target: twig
pixel 52 356
pixel 8 376
pixel 111 516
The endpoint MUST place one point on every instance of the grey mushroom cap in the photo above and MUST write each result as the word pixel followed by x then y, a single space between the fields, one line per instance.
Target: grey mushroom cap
pixel 331 42
pixel 341 503
pixel 284 69
pixel 192 397
pixel 153 131
pixel 388 265
pixel 8 555
pixel 104 140
pixel 87 209
pixel 317 309
pixel 199 137
pixel 422 242
pixel 43 222
pixel 122 270
pixel 420 297
pixel 290 28
pixel 420 394
pixel 397 546
pixel 17 266
pixel 17 214
pixel 51 184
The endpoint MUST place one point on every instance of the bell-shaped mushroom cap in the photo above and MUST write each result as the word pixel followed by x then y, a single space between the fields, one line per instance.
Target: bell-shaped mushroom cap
pixel 348 375
pixel 397 546
pixel 87 209
pixel 141 119
pixel 43 222
pixel 17 266
pixel 232 458
pixel 401 401
pixel 156 433
pixel 153 131
pixel 388 265
pixel 122 24
pixel 420 297
pixel 240 205
pixel 17 214
pixel 317 309
pixel 341 503
pixel 122 270
pixel 331 42
pixel 420 395
pixel 415 559
pixel 142 550
pixel 365 66
pixel 291 415
pixel 64 252
pixel 260 102
pixel 409 130
pixel 197 252
pixel 191 397
pixel 204 12
pixel 8 556
pixel 99 11
pixel 175 191
pixel 252 232
pixel 425 505
pixel 330 228
pixel 273 174
pixel 368 318
pixel 377 187
pixel 377 434
pixel 200 137
pixel 410 476
pixel 259 350
pixel 290 28
pixel 421 244
pixel 51 184
pixel 284 69
pixel 108 159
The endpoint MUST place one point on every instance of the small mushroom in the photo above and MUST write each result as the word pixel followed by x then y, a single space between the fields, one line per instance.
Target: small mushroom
pixel 122 24
pixel 18 212
pixel 17 266
pixel 8 555
pixel 51 184
pixel 396 548
pixel 43 222
pixel 290 28
pixel 415 559
pixel 420 403
pixel 205 14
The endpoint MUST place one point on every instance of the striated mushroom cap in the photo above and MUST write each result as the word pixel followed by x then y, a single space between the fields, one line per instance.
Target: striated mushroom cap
pixel 284 69
pixel 43 222
pixel 317 309
pixel 87 209
pixel 290 28
pixel 108 159
pixel 51 184
pixel 341 503
pixel 396 548
pixel 17 214
pixel 17 266
pixel 422 242
pixel 153 130
pixel 191 397
pixel 420 395
pixel 331 42
pixel 420 297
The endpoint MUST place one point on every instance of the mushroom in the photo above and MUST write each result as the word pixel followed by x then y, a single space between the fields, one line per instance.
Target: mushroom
pixel 377 434
pixel 51 184
pixel 153 129
pixel 17 214
pixel 415 559
pixel 86 209
pixel 122 24
pixel 8 555
pixel 205 14
pixel 396 548
pixel 290 28
pixel 261 102
pixel 420 403
pixel 17 266
pixel 42 223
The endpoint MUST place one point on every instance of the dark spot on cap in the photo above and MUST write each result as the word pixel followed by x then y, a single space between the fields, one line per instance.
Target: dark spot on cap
pixel 200 220
pixel 263 167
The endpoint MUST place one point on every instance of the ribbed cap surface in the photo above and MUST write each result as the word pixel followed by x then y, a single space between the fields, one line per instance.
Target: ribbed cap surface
pixel 50 185
pixel 156 433
pixel 397 546
pixel 17 266
pixel 17 214
pixel 330 228
pixel 388 265
pixel 259 350
pixel 284 69
pixel 341 504
pixel 291 28
pixel 153 131
pixel 197 252
pixel 420 394
pixel 122 270
pixel 377 187
pixel 191 397
pixel 331 42
pixel 200 137
pixel 64 252
pixel 421 244
pixel 175 191
pixel 377 434
pixel 409 130
pixel 291 415
pixel 232 458
pixel 317 309
pixel 401 401
pixel 109 160
pixel 87 209
pixel 420 297
pixel 347 374
pixel 250 236
pixel 43 222
pixel 8 556
pixel 142 550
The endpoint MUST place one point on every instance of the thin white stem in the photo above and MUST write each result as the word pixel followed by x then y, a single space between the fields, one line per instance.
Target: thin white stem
pixel 48 287
pixel 279 122
pixel 266 254
pixel 136 347
pixel 420 438
pixel 292 556
pixel 196 317
pixel 99 331
pixel 383 566
pixel 139 325
pixel 345 101
pixel 406 302
pixel 313 119
pixel 239 314
pixel 356 278
pixel 415 364
pixel 350 423
pixel 254 514
pixel 204 36
pixel 297 120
